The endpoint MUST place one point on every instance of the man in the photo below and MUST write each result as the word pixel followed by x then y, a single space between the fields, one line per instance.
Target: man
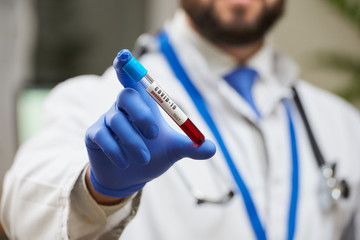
pixel 263 153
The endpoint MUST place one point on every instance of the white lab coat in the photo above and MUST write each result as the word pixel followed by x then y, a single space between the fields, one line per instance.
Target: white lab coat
pixel 38 187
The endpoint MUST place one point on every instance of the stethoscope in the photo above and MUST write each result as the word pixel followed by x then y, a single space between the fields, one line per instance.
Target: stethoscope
pixel 331 189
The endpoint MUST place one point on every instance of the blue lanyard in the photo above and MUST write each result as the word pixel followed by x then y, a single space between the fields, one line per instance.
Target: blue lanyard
pixel 200 103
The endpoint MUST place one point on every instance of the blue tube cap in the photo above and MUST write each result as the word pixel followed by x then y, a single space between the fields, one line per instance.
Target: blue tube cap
pixel 135 70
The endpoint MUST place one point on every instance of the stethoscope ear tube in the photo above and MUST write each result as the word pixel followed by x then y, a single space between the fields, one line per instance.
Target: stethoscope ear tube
pixel 337 189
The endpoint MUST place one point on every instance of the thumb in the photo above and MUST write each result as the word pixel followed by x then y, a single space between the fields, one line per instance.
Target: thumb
pixel 186 148
pixel 121 59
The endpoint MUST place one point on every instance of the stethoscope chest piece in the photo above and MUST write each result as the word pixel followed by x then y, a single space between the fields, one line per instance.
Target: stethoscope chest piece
pixel 331 189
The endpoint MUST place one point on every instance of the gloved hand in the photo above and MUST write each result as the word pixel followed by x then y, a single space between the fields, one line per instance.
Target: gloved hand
pixel 132 144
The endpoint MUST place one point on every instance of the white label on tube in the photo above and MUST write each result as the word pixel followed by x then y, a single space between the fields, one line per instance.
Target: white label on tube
pixel 163 99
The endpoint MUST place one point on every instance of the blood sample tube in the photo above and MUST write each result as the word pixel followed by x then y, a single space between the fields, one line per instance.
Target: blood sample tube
pixel 139 74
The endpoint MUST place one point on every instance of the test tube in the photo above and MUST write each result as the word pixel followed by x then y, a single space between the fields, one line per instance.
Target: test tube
pixel 138 73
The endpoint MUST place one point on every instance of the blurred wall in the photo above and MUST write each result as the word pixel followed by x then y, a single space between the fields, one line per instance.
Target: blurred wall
pixel 16 44
pixel 83 36
pixel 311 28
pixel 158 11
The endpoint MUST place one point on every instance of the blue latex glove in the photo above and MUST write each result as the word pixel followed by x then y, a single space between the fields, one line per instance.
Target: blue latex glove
pixel 131 144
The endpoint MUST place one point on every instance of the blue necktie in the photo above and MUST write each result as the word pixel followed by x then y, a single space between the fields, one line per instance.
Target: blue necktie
pixel 242 80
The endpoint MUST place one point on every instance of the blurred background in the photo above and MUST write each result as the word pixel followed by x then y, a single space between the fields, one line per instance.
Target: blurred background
pixel 43 42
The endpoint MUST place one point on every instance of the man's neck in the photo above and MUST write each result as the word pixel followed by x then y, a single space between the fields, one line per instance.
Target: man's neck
pixel 242 53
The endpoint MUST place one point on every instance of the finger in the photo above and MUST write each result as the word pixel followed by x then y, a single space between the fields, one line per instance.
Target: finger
pixel 123 57
pixel 121 60
pixel 133 104
pixel 99 137
pixel 129 139
pixel 186 148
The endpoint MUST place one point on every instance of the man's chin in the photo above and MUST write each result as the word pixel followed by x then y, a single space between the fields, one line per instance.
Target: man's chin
pixel 238 28
pixel 240 2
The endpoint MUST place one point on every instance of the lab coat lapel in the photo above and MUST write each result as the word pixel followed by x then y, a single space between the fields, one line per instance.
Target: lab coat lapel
pixel 268 94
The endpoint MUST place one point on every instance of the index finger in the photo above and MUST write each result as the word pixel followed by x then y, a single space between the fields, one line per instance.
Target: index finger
pixel 122 58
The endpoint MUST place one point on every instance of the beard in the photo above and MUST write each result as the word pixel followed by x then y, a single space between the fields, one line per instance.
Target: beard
pixel 238 32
